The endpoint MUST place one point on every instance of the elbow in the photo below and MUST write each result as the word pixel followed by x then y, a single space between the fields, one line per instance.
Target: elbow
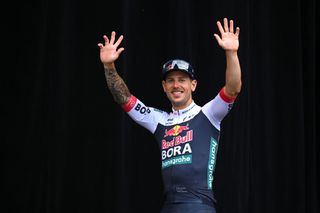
pixel 238 88
pixel 234 89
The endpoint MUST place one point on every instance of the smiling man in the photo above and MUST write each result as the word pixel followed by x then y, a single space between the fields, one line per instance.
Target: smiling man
pixel 187 136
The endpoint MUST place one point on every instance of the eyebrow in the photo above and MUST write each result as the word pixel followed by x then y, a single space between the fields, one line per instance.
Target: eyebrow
pixel 178 78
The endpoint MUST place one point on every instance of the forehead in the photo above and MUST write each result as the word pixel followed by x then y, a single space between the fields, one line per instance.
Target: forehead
pixel 177 74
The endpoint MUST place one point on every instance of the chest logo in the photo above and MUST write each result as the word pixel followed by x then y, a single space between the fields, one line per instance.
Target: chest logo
pixel 176 130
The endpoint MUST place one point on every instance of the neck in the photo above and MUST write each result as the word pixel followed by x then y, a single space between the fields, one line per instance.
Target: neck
pixel 182 107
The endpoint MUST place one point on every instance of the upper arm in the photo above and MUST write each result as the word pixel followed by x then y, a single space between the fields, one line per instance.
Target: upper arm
pixel 218 108
pixel 148 117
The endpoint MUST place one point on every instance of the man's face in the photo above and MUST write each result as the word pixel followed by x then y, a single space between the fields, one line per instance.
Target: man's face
pixel 179 87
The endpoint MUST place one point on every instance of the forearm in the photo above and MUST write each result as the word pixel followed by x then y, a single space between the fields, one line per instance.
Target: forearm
pixel 116 85
pixel 233 74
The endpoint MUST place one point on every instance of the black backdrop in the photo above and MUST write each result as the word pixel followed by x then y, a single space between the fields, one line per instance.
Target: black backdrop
pixel 67 147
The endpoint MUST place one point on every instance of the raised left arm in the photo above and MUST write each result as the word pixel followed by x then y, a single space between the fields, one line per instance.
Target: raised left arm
pixel 229 41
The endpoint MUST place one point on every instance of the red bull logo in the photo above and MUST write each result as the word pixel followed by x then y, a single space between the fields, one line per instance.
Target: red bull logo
pixel 176 130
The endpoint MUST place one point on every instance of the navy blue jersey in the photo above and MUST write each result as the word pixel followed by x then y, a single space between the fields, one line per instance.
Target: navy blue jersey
pixel 188 141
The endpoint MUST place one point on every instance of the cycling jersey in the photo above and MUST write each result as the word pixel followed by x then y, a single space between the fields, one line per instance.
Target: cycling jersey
pixel 188 140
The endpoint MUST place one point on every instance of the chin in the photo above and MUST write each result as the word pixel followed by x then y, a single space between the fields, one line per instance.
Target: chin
pixel 177 103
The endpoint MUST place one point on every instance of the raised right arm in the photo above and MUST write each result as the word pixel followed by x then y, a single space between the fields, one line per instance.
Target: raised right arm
pixel 108 55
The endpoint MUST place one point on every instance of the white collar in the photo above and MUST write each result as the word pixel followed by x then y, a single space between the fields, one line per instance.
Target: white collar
pixel 185 110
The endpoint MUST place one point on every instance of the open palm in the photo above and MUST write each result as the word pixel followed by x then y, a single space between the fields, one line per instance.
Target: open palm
pixel 229 39
pixel 109 52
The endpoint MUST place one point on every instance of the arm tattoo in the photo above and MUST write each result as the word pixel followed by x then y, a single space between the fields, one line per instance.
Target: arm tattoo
pixel 117 86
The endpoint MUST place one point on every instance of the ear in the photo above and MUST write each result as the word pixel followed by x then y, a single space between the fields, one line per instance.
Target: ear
pixel 193 85
pixel 164 85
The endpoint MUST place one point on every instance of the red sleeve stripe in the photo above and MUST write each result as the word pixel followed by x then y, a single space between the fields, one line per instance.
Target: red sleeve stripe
pixel 130 104
pixel 225 97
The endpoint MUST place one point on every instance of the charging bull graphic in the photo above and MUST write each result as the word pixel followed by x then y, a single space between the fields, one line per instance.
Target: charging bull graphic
pixel 176 130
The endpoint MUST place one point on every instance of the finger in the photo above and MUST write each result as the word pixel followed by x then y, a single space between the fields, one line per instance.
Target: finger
pixel 231 26
pixel 237 31
pixel 120 50
pixel 225 22
pixel 106 40
pixel 217 38
pixel 113 35
pixel 119 40
pixel 220 27
pixel 100 45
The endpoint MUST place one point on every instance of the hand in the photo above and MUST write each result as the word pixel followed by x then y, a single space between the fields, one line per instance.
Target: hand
pixel 109 52
pixel 228 40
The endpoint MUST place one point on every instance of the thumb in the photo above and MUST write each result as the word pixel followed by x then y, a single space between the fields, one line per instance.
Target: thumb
pixel 120 50
pixel 217 38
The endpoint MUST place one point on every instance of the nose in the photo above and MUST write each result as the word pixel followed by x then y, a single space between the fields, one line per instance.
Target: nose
pixel 176 84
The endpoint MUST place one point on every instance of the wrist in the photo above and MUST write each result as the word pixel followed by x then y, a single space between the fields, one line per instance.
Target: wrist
pixel 109 66
pixel 231 53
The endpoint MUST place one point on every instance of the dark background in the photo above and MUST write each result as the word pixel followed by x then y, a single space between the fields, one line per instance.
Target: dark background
pixel 67 147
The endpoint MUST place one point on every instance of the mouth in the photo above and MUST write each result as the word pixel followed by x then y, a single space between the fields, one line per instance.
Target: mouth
pixel 177 94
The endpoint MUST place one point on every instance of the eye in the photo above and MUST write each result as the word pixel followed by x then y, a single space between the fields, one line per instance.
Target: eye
pixel 169 80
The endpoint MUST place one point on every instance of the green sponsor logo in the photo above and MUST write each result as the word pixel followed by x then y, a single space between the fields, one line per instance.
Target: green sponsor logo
pixel 212 161
pixel 183 159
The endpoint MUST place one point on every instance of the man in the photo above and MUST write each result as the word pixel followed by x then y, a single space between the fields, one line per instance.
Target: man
pixel 188 136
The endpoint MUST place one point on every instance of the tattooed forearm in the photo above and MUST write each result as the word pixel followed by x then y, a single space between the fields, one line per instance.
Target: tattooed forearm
pixel 117 86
